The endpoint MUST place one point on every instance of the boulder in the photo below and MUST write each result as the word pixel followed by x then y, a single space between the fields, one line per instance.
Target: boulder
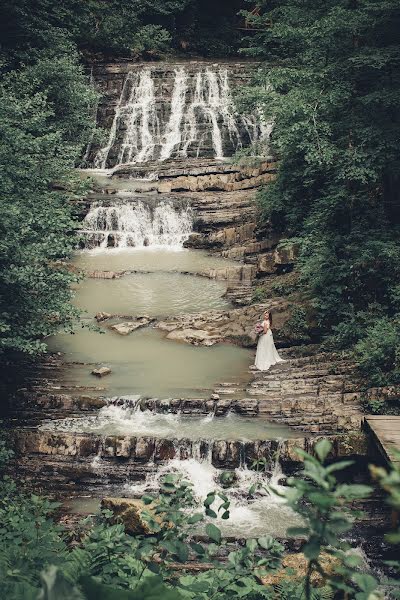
pixel 102 316
pixel 129 512
pixel 246 406
pixel 294 567
pixel 126 327
pixel 196 337
pixel 270 262
pixel 101 371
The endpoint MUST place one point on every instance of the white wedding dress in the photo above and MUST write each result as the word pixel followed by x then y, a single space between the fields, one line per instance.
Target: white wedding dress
pixel 267 355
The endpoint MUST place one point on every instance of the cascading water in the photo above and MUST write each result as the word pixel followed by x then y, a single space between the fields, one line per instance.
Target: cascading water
pixel 203 120
pixel 137 225
pixel 261 513
pixel 187 431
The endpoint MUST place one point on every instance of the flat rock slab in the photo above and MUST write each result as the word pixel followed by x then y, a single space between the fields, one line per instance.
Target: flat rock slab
pixel 196 337
pixel 101 371
pixel 126 327
pixel 104 274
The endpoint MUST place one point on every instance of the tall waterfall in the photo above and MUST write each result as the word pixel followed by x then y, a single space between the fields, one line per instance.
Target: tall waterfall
pixel 137 225
pixel 199 118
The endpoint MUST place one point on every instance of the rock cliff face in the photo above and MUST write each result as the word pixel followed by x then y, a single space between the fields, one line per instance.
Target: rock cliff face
pixel 78 462
pixel 171 110
pixel 172 129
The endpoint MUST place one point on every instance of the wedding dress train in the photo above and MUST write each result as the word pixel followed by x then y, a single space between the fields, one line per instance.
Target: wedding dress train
pixel 267 355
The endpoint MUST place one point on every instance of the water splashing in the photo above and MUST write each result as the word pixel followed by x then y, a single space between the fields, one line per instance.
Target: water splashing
pixel 249 515
pixel 202 121
pixel 137 225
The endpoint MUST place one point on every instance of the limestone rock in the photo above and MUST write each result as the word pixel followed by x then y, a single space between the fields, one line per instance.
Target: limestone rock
pixel 129 512
pixel 103 275
pixel 298 563
pixel 237 325
pixel 196 337
pixel 102 316
pixel 144 449
pixel 126 327
pixel 246 406
pixel 383 394
pixel 101 371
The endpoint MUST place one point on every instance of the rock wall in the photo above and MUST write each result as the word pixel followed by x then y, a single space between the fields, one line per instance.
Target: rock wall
pixel 175 128
pixel 77 462
pixel 168 110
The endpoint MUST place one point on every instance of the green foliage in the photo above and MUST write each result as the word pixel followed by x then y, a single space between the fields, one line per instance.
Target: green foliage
pixel 321 502
pixel 286 285
pixel 44 122
pixel 108 564
pixel 122 27
pixel 297 327
pixel 378 352
pixel 28 540
pixel 259 295
pixel 390 482
pixel 152 40
pixel 289 590
pixel 331 82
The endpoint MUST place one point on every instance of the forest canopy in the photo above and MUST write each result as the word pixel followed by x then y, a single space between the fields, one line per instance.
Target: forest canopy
pixel 125 27
pixel 331 82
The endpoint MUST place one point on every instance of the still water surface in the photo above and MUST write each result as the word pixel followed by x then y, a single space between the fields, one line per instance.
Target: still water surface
pixel 153 294
pixel 149 259
pixel 144 362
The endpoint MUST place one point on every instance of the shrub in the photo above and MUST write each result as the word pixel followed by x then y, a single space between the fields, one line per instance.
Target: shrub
pixel 152 40
pixel 378 352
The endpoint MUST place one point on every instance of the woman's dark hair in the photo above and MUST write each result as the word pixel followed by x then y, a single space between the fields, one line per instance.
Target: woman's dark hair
pixel 269 316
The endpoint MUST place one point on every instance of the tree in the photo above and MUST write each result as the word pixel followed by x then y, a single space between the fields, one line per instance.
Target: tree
pixel 45 118
pixel 331 81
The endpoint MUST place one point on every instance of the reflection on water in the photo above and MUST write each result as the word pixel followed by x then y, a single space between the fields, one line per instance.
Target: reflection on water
pixel 153 294
pixel 150 259
pixel 119 420
pixel 146 363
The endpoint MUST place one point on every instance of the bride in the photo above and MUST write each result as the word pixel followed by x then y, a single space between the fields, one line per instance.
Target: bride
pixel 267 354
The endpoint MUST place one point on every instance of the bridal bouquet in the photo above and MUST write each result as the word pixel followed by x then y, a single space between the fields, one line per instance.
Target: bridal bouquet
pixel 259 329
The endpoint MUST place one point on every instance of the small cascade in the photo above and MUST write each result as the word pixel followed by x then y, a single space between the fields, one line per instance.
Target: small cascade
pixel 259 513
pixel 137 225
pixel 199 118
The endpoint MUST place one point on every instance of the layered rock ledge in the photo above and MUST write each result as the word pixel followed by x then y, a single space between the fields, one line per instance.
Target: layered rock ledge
pixel 78 461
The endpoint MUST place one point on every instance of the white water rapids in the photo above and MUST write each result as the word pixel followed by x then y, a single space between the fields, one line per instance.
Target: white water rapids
pixel 262 513
pixel 137 225
pixel 128 419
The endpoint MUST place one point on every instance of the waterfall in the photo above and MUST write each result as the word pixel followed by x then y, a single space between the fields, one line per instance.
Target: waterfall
pixel 199 118
pixel 172 136
pixel 137 225
pixel 262 512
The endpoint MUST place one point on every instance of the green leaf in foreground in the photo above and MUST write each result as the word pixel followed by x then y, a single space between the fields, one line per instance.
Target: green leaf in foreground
pixel 214 533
